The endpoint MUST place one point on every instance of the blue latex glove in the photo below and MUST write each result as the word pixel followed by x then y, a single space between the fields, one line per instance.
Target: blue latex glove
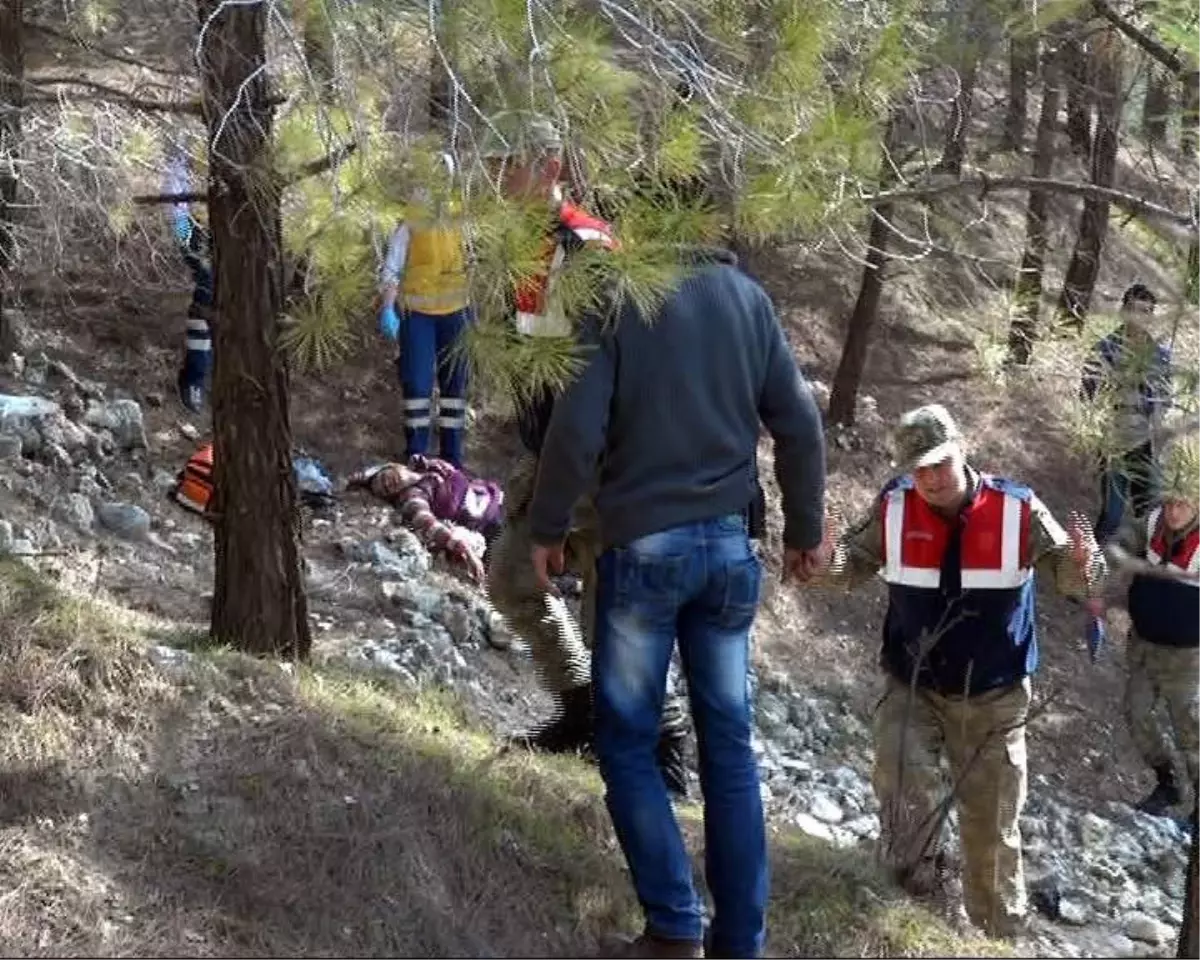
pixel 1095 633
pixel 389 323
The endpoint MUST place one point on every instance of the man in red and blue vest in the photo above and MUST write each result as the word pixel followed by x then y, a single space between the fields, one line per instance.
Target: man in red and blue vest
pixel 1163 657
pixel 959 551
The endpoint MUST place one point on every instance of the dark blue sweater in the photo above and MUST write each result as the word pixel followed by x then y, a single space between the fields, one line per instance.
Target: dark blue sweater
pixel 670 410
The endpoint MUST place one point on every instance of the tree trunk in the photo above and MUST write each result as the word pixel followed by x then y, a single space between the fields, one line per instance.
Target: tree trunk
pixel 1156 107
pixel 1022 63
pixel 843 394
pixel 1189 127
pixel 959 125
pixel 1028 293
pixel 12 76
pixel 1084 267
pixel 1079 99
pixel 258 602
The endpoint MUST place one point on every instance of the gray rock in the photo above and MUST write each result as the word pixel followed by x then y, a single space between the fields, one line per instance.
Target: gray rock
pixel 1094 831
pixel 770 712
pixel 1073 912
pixel 23 547
pixel 6 537
pixel 384 560
pixel 76 510
pixel 122 418
pixel 458 621
pixel 10 446
pixel 823 807
pixel 55 454
pixel 125 520
pixel 1138 926
pixel 813 827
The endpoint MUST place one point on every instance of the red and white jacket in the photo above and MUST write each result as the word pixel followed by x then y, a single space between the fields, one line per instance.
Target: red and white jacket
pixel 1167 611
pixel 536 313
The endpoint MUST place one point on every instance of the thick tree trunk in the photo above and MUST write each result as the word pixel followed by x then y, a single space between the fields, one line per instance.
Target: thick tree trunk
pixel 1079 100
pixel 258 603
pixel 843 394
pixel 1028 294
pixel 12 75
pixel 1022 63
pixel 1156 107
pixel 1084 267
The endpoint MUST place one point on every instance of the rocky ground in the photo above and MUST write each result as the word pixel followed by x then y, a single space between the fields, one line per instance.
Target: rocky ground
pixel 83 478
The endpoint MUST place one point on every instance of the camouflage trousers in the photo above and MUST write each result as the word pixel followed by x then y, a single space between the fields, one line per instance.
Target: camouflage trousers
pixel 557 645
pixel 983 740
pixel 1160 676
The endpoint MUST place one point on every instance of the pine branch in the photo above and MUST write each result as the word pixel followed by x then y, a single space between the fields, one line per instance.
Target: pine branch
pixel 311 169
pixel 985 184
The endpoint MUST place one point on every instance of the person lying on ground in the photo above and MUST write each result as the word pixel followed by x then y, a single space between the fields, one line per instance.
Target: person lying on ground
pixel 453 513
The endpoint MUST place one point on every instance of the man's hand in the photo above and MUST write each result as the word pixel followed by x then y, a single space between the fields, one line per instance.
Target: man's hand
pixel 547 562
pixel 1083 542
pixel 473 565
pixel 803 565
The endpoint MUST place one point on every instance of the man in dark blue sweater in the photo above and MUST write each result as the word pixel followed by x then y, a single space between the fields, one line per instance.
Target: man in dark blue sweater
pixel 1163 656
pixel 663 421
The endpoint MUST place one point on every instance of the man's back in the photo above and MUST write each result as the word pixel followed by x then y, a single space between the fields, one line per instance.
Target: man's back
pixel 684 395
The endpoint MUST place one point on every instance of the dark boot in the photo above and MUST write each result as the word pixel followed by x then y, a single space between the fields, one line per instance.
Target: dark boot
pixel 1164 795
pixel 569 730
pixel 672 747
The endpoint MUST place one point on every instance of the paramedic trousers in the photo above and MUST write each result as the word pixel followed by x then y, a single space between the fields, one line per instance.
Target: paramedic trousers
pixel 983 738
pixel 197 357
pixel 428 347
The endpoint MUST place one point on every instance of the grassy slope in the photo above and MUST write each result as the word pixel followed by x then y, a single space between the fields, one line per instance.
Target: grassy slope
pixel 220 806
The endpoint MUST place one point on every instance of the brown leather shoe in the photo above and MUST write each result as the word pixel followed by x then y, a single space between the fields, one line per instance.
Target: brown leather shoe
pixel 648 945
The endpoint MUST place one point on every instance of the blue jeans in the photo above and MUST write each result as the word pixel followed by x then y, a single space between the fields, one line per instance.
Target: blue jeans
pixel 426 342
pixel 1127 483
pixel 699 582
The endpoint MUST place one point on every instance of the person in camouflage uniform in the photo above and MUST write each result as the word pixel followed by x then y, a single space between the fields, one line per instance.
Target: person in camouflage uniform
pixel 1163 657
pixel 524 154
pixel 959 551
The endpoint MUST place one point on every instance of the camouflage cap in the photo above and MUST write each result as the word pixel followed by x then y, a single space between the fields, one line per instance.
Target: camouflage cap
pixel 519 133
pixel 1181 472
pixel 926 436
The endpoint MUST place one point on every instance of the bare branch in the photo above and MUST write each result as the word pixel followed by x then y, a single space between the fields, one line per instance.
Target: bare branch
pixel 1169 59
pixel 115 95
pixel 102 51
pixel 984 184
pixel 311 169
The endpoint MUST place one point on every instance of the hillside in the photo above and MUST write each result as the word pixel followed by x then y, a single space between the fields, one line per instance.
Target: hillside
pixel 253 761
pixel 165 798
pixel 159 802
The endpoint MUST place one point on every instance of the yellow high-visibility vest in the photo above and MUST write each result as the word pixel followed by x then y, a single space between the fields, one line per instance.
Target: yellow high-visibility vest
pixel 435 276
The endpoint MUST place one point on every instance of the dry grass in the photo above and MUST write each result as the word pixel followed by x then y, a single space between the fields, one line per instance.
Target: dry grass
pixel 219 806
